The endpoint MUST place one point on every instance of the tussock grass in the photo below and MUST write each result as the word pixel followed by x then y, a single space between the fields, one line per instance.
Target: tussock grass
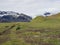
pixel 40 31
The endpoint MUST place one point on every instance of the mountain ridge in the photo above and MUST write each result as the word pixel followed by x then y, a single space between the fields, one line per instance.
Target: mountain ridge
pixel 55 17
pixel 22 17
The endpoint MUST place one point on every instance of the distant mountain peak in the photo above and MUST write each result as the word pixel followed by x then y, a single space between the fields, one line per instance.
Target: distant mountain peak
pixel 14 17
pixel 47 13
pixel 8 13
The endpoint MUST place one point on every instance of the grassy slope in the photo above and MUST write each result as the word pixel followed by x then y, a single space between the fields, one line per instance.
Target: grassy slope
pixel 40 31
pixel 48 22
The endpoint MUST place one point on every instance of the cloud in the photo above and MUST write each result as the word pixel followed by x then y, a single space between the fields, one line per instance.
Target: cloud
pixel 31 7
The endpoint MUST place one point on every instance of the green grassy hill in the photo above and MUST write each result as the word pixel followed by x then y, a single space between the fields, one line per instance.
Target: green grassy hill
pixel 40 31
pixel 51 22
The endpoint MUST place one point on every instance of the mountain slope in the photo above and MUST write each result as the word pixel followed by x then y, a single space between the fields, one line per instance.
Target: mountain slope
pixel 55 16
pixel 10 16
pixel 51 18
pixel 38 19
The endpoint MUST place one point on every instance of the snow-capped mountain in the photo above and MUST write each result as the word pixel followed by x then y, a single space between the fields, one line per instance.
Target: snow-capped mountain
pixel 10 16
pixel 2 13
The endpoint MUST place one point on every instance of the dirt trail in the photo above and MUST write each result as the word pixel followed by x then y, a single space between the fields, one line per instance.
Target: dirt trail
pixel 4 35
pixel 7 31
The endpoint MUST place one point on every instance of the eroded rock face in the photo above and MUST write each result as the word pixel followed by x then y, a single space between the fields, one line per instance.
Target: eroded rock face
pixel 10 16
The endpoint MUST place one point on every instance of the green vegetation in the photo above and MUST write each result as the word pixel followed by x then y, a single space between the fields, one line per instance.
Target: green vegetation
pixel 40 31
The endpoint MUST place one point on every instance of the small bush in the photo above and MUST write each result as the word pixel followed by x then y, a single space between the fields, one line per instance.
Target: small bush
pixel 18 28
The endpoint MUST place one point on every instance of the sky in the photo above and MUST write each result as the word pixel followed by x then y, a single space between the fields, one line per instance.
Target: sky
pixel 31 7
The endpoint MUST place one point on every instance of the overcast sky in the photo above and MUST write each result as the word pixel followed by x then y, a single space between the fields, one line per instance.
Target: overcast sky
pixel 30 7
